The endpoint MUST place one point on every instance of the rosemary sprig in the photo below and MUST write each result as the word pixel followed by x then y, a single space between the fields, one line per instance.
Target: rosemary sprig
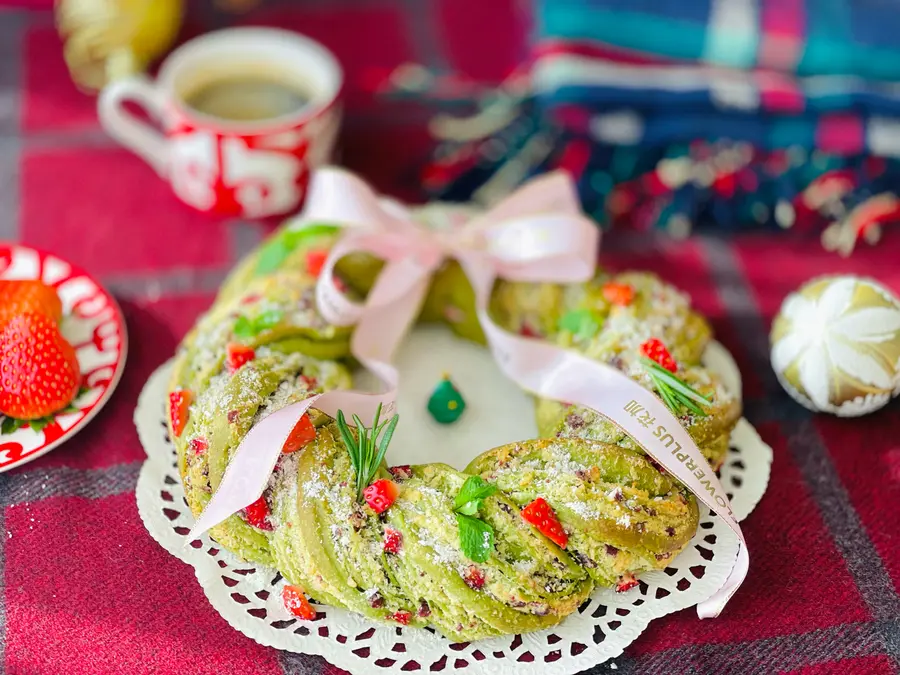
pixel 674 392
pixel 366 450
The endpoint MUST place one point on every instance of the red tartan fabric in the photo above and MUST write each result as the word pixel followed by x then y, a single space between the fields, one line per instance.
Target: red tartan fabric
pixel 86 590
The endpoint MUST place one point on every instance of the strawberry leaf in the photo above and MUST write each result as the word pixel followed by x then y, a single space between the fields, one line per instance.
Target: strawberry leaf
pixel 11 425
pixel 40 424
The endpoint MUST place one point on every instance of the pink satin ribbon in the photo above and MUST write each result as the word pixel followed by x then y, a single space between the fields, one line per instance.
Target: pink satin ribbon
pixel 538 234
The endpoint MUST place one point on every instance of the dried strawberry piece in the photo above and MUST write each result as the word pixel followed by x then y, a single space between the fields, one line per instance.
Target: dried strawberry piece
pixel 233 415
pixel 380 495
pixel 199 445
pixel 618 294
pixel 179 402
pixel 296 603
pixel 656 351
pixel 315 261
pixel 309 382
pixel 402 472
pixel 393 540
pixel 301 435
pixel 258 514
pixel 527 331
pixel 474 578
pixel 541 515
pixel 237 355
pixel 402 617
pixel 626 582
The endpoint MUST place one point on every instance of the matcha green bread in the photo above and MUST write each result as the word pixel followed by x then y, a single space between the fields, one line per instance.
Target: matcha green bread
pixel 263 345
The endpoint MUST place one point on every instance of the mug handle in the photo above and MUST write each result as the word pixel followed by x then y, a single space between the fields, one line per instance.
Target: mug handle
pixel 134 134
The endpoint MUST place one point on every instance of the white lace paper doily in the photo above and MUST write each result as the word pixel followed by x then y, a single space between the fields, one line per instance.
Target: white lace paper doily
pixel 248 596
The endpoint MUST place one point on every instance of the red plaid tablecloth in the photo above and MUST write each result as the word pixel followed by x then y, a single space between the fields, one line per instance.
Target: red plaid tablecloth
pixel 86 590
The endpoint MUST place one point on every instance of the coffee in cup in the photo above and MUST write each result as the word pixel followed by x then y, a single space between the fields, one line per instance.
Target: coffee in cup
pixel 246 115
pixel 247 98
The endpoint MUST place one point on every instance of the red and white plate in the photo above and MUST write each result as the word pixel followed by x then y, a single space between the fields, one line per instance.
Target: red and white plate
pixel 93 324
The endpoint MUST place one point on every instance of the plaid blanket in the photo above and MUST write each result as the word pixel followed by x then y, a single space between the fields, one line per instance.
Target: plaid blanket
pixel 677 102
pixel 806 37
pixel 739 99
pixel 85 590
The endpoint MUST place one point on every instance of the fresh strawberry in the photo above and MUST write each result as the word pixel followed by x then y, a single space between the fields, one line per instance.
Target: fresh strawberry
pixel 296 603
pixel 237 355
pixel 199 445
pixel 303 433
pixel 527 331
pixel 618 294
pixel 380 495
pixel 179 402
pixel 655 350
pixel 474 578
pixel 626 582
pixel 39 372
pixel 402 617
pixel 21 296
pixel 541 515
pixel 393 540
pixel 315 261
pixel 309 382
pixel 258 514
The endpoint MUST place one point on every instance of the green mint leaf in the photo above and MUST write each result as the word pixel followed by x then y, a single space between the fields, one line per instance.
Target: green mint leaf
pixel 474 489
pixel 476 538
pixel 267 320
pixel 470 508
pixel 274 252
pixel 243 328
pixel 582 323
pixel 271 256
pixel 312 230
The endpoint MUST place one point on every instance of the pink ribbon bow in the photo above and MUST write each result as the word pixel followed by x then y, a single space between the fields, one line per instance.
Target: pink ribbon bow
pixel 537 234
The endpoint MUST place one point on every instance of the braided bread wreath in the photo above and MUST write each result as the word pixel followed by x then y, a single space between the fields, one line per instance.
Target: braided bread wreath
pixel 263 346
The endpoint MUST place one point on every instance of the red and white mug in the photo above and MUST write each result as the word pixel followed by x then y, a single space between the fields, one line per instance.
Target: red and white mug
pixel 250 168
